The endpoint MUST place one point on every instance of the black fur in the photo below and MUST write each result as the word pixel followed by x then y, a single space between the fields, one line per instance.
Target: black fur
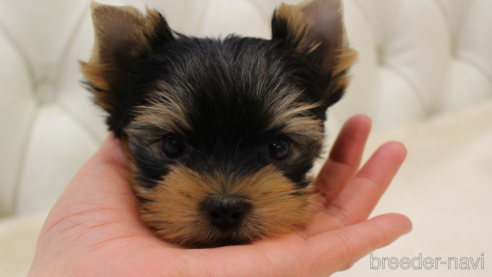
pixel 198 117
pixel 231 87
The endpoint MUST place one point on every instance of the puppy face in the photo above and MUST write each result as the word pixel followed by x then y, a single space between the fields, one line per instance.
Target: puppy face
pixel 221 133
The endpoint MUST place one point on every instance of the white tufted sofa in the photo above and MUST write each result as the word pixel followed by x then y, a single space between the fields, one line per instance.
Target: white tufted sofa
pixel 424 75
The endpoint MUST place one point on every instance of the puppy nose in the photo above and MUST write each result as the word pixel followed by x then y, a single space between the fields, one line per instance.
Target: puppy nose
pixel 225 213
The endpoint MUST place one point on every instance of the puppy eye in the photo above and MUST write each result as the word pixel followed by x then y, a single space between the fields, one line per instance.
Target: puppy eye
pixel 173 146
pixel 279 149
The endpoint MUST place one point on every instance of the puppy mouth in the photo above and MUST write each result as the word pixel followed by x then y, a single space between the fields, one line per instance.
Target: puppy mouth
pixel 228 221
pixel 200 211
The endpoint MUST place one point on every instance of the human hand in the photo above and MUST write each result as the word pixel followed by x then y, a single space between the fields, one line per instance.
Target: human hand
pixel 94 230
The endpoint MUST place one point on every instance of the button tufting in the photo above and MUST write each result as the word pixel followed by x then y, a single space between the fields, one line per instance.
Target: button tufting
pixel 46 92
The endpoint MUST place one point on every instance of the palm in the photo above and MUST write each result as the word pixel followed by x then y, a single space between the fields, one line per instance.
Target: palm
pixel 93 229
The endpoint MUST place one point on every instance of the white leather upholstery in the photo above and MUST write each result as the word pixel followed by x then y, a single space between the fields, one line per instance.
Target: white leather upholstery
pixel 418 59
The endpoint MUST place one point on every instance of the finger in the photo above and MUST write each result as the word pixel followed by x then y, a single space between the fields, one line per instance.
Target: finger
pixel 344 158
pixel 358 199
pixel 360 196
pixel 99 188
pixel 343 247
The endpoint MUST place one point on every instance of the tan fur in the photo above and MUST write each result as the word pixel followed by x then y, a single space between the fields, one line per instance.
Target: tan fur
pixel 346 59
pixel 317 25
pixel 114 27
pixel 296 117
pixel 173 207
pixel 165 111
pixel 174 210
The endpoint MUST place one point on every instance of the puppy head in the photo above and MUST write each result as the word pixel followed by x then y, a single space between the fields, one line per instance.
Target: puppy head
pixel 221 133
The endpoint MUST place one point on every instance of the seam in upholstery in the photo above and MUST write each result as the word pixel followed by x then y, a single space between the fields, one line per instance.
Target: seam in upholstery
pixel 442 94
pixel 479 68
pixel 23 152
pixel 445 15
pixel 25 60
pixel 260 8
pixel 418 94
pixel 27 142
pixel 201 21
pixel 66 50
pixel 365 15
pixel 367 18
pixel 23 161
pixel 455 51
pixel 379 47
pixel 58 73
pixel 75 118
pixel 263 14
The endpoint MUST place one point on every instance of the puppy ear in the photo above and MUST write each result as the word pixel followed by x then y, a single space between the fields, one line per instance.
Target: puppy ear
pixel 122 36
pixel 316 30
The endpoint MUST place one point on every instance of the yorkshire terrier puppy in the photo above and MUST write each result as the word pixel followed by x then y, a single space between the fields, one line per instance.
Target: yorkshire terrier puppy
pixel 221 134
